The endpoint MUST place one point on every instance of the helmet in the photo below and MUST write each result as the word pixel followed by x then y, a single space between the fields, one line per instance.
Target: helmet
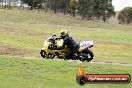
pixel 64 32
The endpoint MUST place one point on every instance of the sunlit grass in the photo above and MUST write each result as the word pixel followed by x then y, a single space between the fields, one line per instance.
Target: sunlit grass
pixel 28 29
pixel 38 73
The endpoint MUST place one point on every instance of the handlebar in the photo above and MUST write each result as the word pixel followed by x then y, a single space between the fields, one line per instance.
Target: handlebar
pixel 53 35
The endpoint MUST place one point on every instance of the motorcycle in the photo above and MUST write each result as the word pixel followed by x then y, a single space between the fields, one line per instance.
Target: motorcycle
pixel 50 50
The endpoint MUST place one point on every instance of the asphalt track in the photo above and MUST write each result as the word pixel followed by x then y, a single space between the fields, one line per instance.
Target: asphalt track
pixel 99 62
pixel 123 64
pixel 77 61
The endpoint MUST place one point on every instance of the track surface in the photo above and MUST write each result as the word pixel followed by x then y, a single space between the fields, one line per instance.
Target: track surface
pixel 91 62
pixel 98 62
pixel 123 64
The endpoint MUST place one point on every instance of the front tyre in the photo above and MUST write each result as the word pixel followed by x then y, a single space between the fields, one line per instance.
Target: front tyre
pixel 51 56
pixel 43 53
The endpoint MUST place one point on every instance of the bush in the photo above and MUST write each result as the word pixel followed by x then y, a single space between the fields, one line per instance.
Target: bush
pixel 125 16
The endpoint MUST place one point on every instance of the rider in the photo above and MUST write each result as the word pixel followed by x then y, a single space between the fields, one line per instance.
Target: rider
pixel 71 44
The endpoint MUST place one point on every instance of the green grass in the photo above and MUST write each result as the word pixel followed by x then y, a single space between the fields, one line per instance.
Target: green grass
pixel 26 30
pixel 37 73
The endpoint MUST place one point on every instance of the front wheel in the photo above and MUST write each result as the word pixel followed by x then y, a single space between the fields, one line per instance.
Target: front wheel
pixel 43 53
pixel 51 56
pixel 46 55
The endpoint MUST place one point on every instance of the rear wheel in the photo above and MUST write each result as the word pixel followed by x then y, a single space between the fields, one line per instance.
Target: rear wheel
pixel 83 57
pixel 89 54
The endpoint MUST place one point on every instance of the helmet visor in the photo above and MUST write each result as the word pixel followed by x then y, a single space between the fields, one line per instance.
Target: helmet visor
pixel 62 33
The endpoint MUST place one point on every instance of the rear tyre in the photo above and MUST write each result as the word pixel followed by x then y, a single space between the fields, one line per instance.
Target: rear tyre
pixel 82 58
pixel 89 54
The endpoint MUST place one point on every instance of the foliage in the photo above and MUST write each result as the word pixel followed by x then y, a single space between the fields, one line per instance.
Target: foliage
pixel 125 16
pixel 89 9
pixel 103 9
pixel 86 8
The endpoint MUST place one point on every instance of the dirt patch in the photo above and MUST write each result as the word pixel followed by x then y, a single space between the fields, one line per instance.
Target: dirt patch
pixel 4 50
pixel 13 51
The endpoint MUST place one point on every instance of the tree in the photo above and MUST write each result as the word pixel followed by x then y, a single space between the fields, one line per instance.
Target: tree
pixel 34 3
pixel 103 9
pixel 2 1
pixel 86 8
pixel 96 9
pixel 108 11
pixel 61 6
pixel 54 5
pixel 125 16
pixel 73 6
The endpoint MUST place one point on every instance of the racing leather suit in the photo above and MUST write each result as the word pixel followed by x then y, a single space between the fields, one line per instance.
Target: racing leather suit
pixel 71 44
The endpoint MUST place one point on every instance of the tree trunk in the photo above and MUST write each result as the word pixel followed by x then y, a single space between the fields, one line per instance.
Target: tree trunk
pixel 32 7
pixel 10 4
pixel 73 13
